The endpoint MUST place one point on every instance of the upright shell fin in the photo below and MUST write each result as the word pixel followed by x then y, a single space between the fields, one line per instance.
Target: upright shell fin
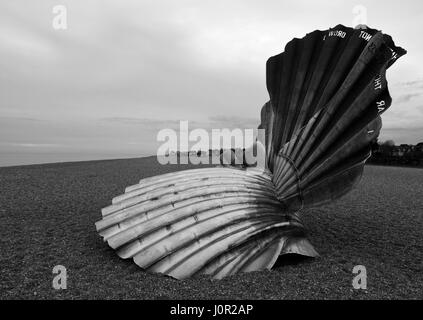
pixel 324 111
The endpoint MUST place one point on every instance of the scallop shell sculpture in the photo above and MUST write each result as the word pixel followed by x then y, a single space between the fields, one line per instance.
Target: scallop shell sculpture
pixel 327 92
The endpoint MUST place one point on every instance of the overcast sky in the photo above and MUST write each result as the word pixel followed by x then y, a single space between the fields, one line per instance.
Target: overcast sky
pixel 123 70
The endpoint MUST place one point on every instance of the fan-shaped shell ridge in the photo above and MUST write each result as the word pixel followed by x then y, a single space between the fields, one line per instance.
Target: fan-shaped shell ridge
pixel 326 90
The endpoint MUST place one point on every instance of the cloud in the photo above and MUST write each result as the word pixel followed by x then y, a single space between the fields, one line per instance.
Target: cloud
pixel 32 145
pixel 124 70
pixel 141 121
pixel 220 121
pixel 402 135
pixel 212 122
pixel 407 97
pixel 18 118
pixel 414 83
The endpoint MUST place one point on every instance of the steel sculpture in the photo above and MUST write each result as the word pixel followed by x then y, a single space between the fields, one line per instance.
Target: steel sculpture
pixel 327 92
